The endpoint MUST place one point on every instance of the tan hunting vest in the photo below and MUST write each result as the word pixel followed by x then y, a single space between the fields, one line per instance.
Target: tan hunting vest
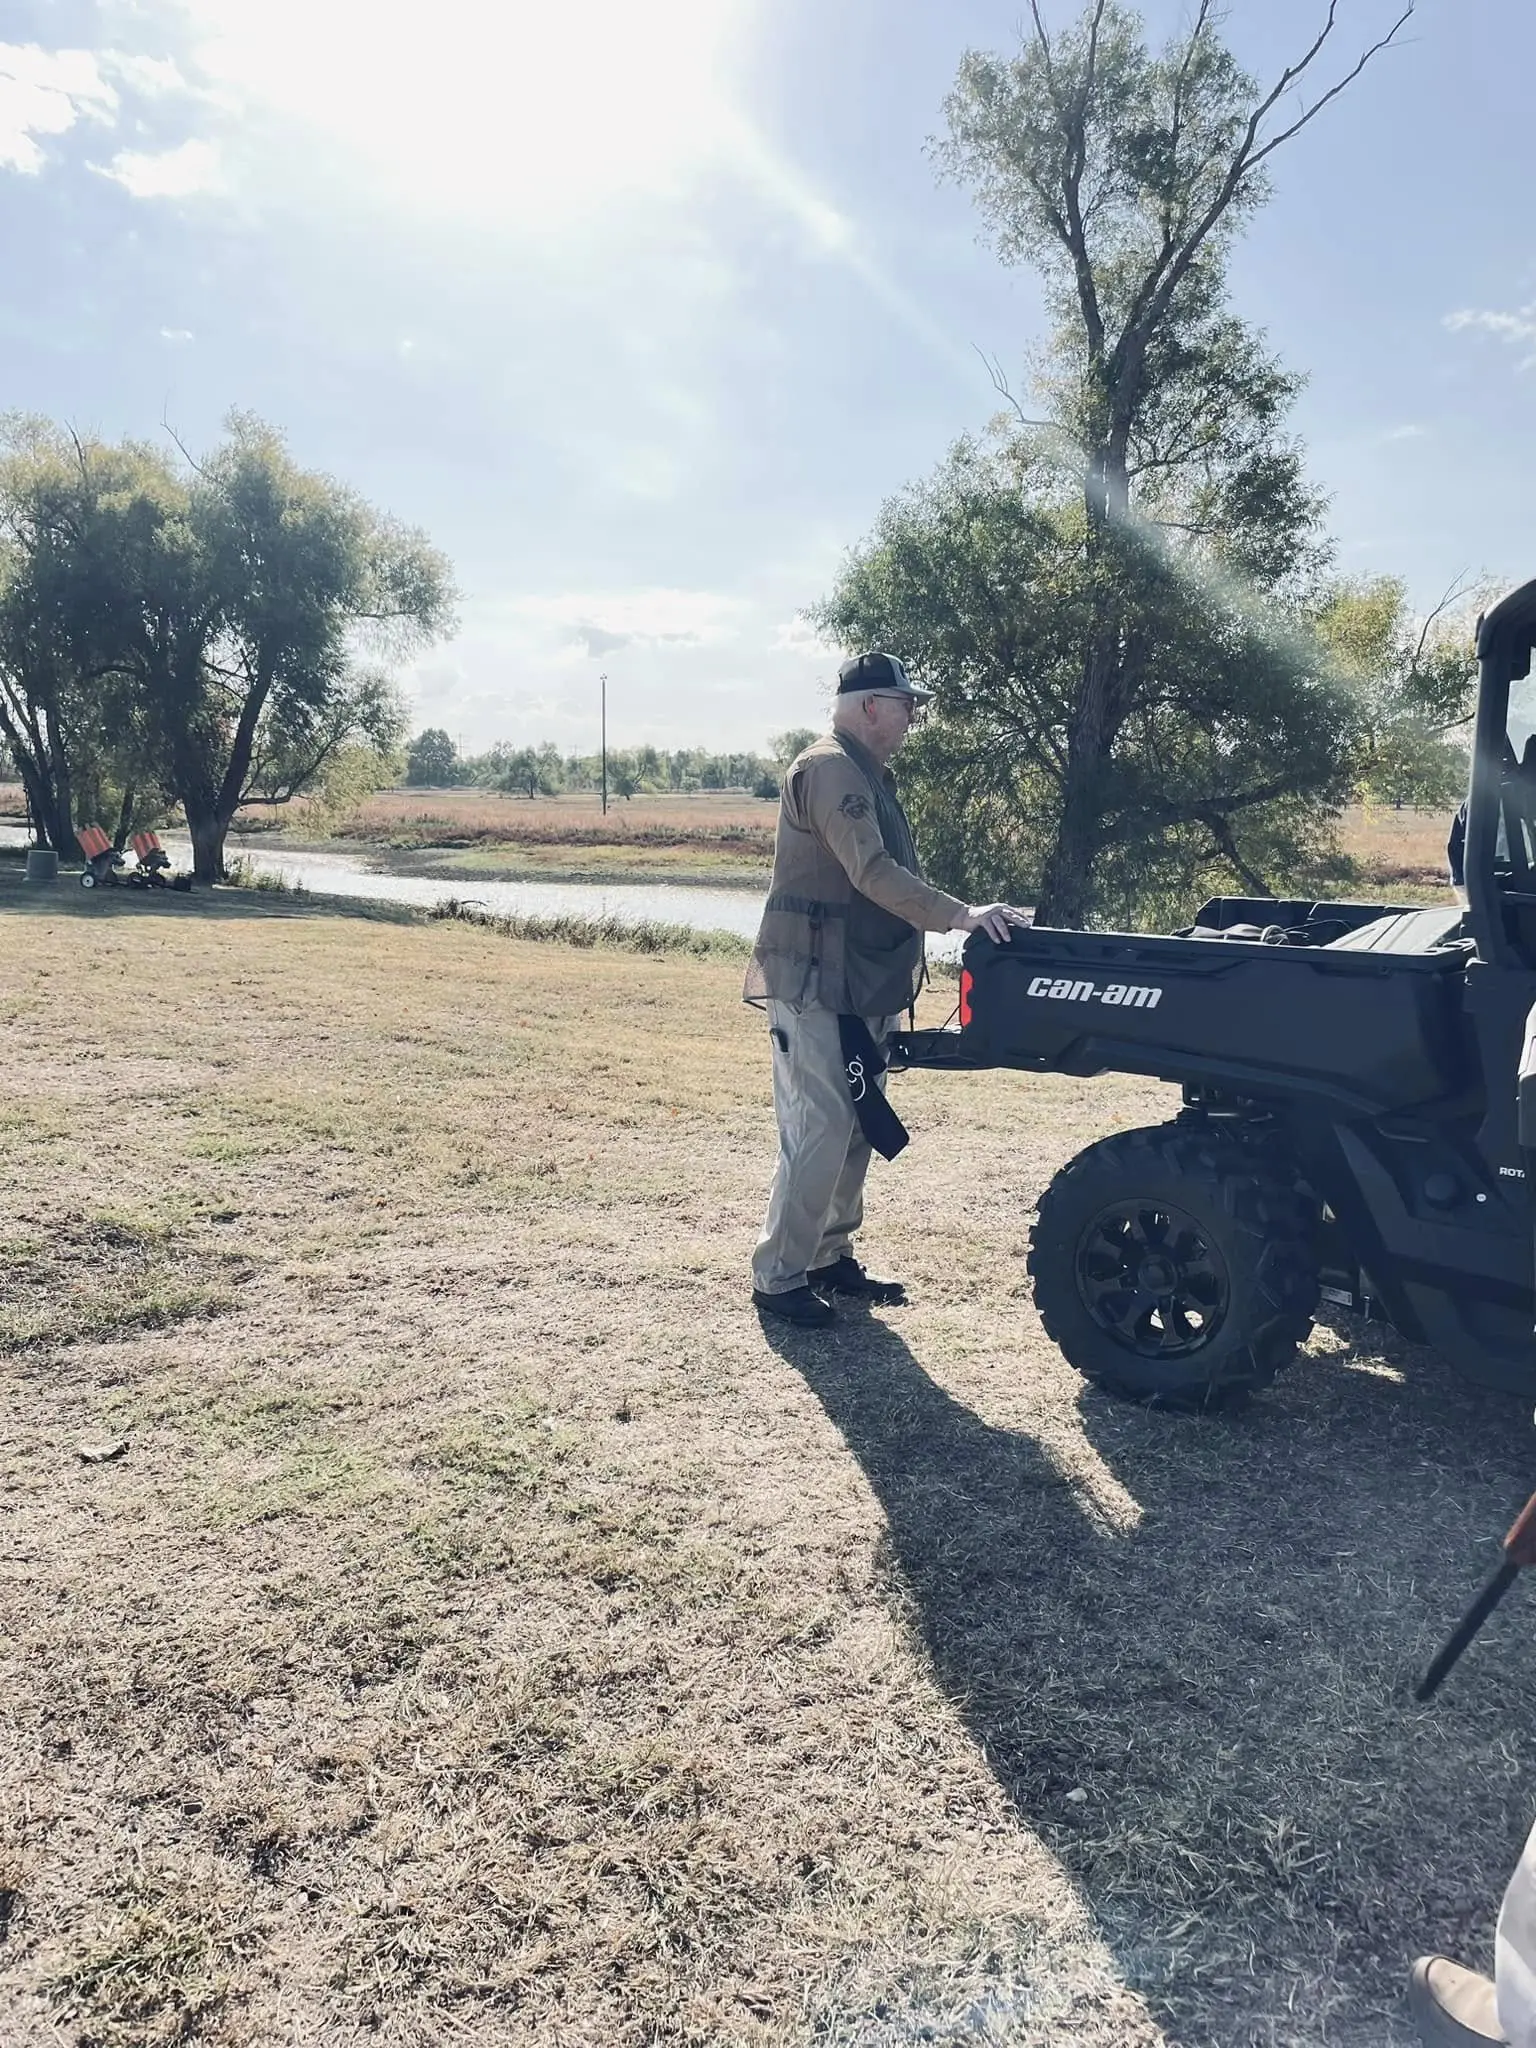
pixel 825 943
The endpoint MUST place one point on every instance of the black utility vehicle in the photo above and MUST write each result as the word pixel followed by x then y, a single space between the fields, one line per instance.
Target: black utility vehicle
pixel 1351 1130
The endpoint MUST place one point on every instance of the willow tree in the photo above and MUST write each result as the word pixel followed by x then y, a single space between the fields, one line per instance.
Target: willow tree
pixel 1235 740
pixel 257 629
pixel 1414 683
pixel 1123 175
pixel 67 713
pixel 220 624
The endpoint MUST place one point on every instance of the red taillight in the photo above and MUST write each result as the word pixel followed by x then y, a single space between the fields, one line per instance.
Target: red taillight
pixel 966 985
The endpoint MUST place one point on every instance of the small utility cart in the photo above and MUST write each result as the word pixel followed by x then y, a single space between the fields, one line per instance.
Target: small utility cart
pixel 1353 1083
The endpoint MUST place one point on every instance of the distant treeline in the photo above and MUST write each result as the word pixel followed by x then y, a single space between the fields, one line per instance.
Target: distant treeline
pixel 433 761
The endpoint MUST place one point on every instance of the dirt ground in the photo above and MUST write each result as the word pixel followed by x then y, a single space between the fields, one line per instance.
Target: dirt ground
pixel 490 1634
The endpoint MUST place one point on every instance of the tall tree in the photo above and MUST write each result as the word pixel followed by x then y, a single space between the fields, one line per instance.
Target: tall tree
pixel 1238 733
pixel 1414 685
pixel 533 771
pixel 214 623
pixel 1123 176
pixel 784 746
pixel 70 720
pixel 432 760
pixel 267 677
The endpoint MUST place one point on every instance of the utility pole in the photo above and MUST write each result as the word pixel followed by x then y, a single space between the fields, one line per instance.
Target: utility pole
pixel 603 681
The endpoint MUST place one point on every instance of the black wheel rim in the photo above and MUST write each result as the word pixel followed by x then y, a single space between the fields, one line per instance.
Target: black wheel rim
pixel 1150 1276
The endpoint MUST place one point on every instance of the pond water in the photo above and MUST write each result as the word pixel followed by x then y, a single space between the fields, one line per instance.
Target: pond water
pixel 350 874
pixel 700 907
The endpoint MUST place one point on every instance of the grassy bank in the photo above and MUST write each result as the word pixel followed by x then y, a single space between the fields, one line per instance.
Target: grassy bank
pixel 632 935
pixel 490 1634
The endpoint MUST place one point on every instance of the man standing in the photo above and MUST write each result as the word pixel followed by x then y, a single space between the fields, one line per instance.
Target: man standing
pixel 840 955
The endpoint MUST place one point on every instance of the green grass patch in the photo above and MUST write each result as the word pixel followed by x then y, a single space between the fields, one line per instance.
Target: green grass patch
pixel 92 1277
pixel 241 873
pixel 646 935
pixel 543 828
pixel 619 866
pixel 317 1481
pixel 157 1974
pixel 508 1452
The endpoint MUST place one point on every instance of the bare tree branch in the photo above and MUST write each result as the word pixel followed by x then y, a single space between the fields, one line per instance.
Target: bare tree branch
pixel 1073 125
pixel 1152 304
pixel 186 454
pixel 1294 72
pixel 82 462
pixel 1458 588
pixel 1004 391
pixel 1176 125
pixel 1220 828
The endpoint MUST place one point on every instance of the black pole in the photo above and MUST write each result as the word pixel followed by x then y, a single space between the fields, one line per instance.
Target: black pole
pixel 1519 1555
pixel 603 680
pixel 1467 1628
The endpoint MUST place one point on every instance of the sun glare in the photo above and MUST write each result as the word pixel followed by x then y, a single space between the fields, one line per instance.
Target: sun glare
pixel 525 113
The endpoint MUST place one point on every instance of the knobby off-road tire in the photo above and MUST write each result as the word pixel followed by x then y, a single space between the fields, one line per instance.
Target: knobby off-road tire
pixel 1175 1266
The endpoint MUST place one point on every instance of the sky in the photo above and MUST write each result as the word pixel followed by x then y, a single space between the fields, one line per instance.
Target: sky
pixel 642 311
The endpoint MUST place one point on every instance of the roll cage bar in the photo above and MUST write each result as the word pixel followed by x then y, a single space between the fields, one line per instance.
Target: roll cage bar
pixel 1497 794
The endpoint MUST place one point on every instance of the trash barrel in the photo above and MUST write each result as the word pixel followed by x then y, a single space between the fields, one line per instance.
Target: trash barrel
pixel 42 864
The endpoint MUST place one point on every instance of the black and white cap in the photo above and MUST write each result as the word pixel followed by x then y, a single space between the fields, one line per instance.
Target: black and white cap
pixel 866 674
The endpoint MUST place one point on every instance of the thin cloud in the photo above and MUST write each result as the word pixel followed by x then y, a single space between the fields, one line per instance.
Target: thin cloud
pixel 44 93
pixel 182 173
pixel 1517 326
pixel 1514 328
pixel 597 640
pixel 799 637
pixel 529 117
pixel 152 78
pixel 602 622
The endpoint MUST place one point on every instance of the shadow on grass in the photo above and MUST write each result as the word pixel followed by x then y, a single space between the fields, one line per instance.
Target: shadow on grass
pixel 1186 1647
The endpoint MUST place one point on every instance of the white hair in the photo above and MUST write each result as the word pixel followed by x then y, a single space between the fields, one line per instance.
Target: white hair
pixel 846 705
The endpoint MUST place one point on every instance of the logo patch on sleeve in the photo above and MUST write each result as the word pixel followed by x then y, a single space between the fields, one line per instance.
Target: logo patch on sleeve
pixel 854 806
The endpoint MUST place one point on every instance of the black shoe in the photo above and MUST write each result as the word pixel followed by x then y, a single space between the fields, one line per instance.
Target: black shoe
pixel 796 1305
pixel 1452 2007
pixel 847 1276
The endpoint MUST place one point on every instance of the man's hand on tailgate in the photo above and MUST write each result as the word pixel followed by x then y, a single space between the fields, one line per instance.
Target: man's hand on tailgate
pixel 995 919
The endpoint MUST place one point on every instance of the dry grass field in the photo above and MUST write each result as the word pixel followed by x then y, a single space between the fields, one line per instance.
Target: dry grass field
pixel 726 823
pixel 1399 849
pixel 490 1634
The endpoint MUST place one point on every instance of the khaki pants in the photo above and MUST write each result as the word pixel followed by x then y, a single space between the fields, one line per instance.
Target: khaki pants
pixel 818 1188
pixel 1514 1968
